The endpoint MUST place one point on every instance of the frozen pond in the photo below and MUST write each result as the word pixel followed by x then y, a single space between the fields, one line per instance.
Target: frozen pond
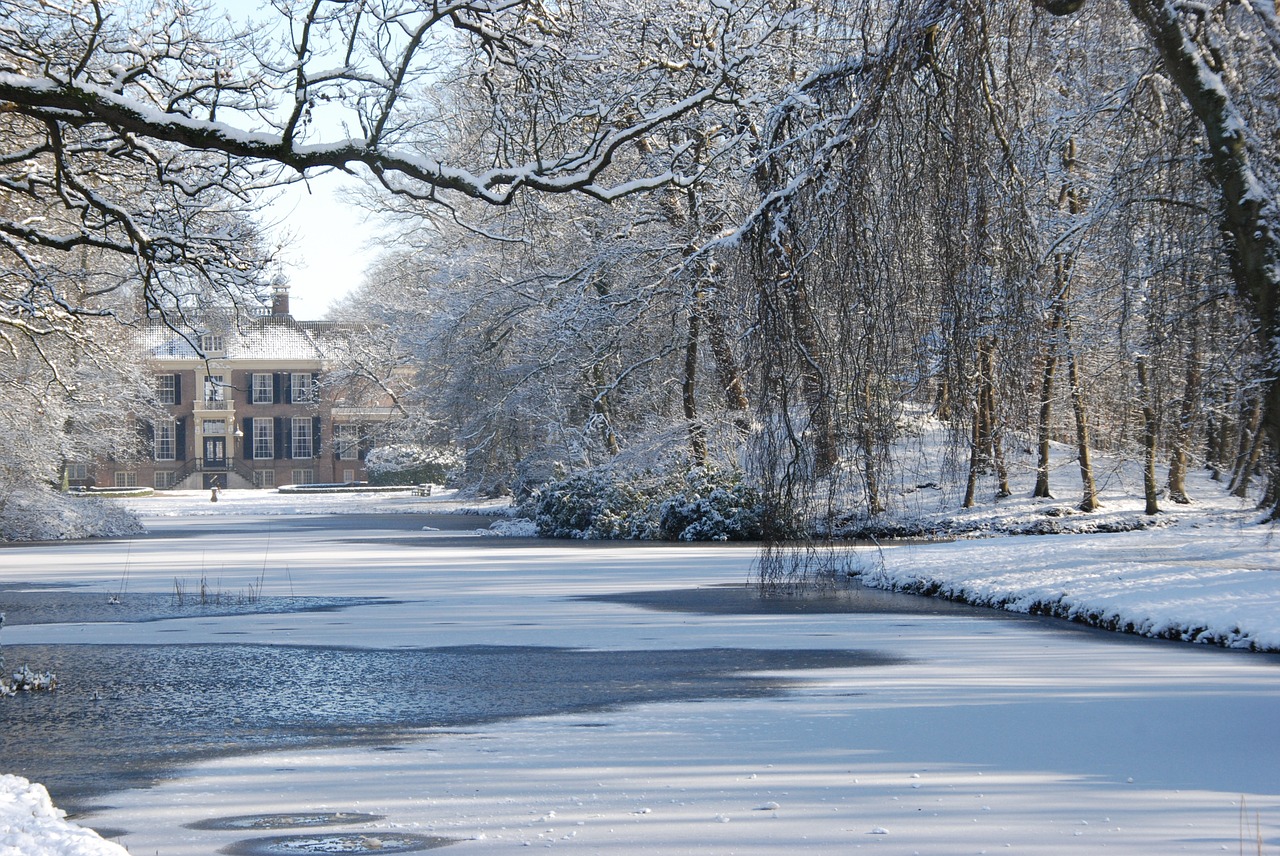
pixel 479 694
pixel 125 716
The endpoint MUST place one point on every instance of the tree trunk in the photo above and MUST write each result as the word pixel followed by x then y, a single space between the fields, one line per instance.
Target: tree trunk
pixel 1089 500
pixel 1045 423
pixel 1248 208
pixel 1150 439
pixel 1219 431
pixel 1246 450
pixel 987 453
pixel 688 384
pixel 728 372
pixel 975 459
pixel 1182 435
pixel 866 440
pixel 814 386
pixel 994 428
pixel 600 406
pixel 1250 453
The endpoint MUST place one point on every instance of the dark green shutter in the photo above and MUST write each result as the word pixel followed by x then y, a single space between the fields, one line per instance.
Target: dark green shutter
pixel 315 437
pixel 180 439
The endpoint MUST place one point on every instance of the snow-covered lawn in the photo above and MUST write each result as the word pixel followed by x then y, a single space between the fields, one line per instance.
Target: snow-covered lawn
pixel 992 736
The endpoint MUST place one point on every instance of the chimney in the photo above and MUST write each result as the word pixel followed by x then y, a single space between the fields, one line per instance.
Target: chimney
pixel 279 300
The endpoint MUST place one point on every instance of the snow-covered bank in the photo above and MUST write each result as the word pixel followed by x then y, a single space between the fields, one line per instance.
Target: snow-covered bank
pixel 31 826
pixel 1216 584
pixel 1207 572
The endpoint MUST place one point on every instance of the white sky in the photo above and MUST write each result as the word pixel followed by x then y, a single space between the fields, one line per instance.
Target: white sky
pixel 325 243
pixel 325 240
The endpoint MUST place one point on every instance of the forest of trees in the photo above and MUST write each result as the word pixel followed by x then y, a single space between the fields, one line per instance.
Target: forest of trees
pixel 638 240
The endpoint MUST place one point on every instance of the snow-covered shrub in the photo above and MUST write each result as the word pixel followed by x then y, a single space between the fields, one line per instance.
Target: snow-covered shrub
pixel 37 513
pixel 705 505
pixel 407 464
pixel 714 506
pixel 521 527
pixel 592 505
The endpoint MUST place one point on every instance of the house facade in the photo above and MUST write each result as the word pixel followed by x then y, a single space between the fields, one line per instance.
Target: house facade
pixel 258 404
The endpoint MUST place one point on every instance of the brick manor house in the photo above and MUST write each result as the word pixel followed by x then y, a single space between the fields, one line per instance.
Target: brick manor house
pixel 258 409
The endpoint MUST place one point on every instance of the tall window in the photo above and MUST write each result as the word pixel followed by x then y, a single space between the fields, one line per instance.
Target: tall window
pixel 213 388
pixel 262 390
pixel 166 440
pixel 301 388
pixel 301 436
pixel 264 439
pixel 347 441
pixel 167 389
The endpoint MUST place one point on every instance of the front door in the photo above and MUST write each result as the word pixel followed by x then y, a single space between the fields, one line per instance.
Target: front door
pixel 215 451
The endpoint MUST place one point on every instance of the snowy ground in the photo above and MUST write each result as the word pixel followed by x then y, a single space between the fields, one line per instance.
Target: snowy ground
pixel 994 736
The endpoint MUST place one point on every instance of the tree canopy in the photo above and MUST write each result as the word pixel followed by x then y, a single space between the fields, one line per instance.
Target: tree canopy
pixel 705 233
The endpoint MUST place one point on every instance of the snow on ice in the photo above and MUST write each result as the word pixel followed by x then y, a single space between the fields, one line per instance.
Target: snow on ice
pixel 993 735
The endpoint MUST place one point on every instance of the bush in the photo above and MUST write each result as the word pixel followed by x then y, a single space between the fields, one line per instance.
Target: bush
pixel 713 507
pixel 590 505
pixel 705 505
pixel 404 464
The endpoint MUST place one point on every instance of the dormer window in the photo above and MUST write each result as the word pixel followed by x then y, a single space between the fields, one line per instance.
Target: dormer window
pixel 212 343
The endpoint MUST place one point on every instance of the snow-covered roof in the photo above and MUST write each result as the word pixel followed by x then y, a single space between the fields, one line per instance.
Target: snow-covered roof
pixel 267 338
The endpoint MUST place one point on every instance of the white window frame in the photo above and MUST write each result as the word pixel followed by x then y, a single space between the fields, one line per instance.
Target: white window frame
pixel 212 343
pixel 261 389
pixel 264 438
pixel 214 389
pixel 304 477
pixel 165 441
pixel 303 444
pixel 77 471
pixel 213 427
pixel 346 439
pixel 125 478
pixel 167 388
pixel 302 387
pixel 164 479
pixel 264 478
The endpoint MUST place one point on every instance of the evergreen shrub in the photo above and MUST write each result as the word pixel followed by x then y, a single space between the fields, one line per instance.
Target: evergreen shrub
pixel 703 505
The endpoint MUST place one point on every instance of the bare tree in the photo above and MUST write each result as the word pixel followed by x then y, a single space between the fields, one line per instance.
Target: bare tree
pixel 1223 60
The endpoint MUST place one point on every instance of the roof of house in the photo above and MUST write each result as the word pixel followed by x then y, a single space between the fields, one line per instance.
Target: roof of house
pixel 272 337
